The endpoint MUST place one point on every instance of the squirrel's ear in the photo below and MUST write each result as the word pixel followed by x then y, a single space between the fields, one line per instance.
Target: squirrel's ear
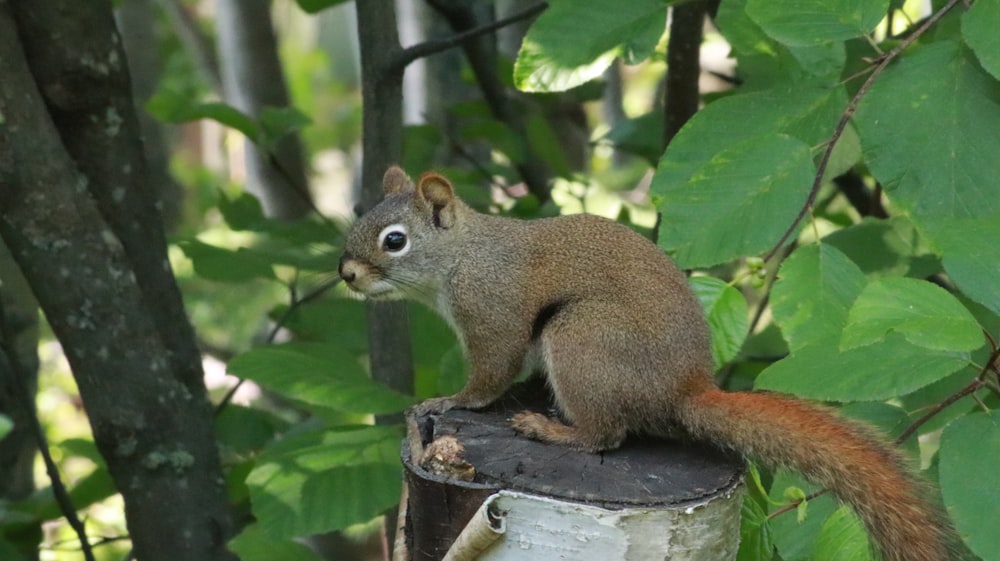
pixel 438 193
pixel 395 180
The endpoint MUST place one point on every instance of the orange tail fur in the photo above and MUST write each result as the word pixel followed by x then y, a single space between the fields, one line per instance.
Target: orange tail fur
pixel 843 456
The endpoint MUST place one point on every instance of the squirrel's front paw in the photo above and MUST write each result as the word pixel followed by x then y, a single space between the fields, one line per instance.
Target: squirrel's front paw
pixel 530 424
pixel 434 406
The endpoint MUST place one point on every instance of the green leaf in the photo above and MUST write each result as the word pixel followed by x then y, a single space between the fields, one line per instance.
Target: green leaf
pixel 726 311
pixel 253 544
pixel 225 265
pixel 452 376
pixel 843 538
pixel 320 375
pixel 810 22
pixel 936 90
pixel 6 425
pixel 320 481
pixel 738 203
pixel 314 6
pixel 642 136
pixel 979 27
pixel 176 108
pixel 971 255
pixel 796 539
pixel 924 313
pixel 574 41
pixel 755 534
pixel 242 212
pixel 816 286
pixel 545 143
pixel 884 247
pixel 278 122
pixel 805 111
pixel 883 370
pixel 969 455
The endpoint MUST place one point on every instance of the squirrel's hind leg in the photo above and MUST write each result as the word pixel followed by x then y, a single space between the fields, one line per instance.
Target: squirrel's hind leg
pixel 539 427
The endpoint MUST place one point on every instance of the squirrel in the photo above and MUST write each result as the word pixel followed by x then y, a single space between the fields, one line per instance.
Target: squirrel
pixel 622 341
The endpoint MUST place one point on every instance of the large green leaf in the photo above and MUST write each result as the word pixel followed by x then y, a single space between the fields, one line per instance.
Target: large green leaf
pixel 843 538
pixel 225 265
pixel 886 247
pixel 253 544
pixel 574 41
pixel 319 481
pixel 970 454
pixel 172 107
pixel 930 128
pixel 883 370
pixel 321 375
pixel 971 254
pixel 979 27
pixel 924 313
pixel 738 203
pixel 726 311
pixel 6 425
pixel 809 22
pixel 806 111
pixel 817 285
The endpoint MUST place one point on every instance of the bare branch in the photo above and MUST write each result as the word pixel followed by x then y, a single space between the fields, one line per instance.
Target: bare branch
pixel 427 48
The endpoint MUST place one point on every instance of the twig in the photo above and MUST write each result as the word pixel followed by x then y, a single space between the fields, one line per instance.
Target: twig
pixel 427 48
pixel 17 376
pixel 846 116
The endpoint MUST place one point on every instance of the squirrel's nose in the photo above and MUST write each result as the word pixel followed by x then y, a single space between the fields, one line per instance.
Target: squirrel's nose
pixel 348 273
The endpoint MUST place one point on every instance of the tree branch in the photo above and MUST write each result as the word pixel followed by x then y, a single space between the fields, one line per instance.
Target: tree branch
pixel 427 48
pixel 27 401
pixel 846 116
pixel 483 61
pixel 681 95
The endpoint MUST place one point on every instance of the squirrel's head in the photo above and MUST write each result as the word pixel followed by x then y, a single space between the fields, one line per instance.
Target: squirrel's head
pixel 400 248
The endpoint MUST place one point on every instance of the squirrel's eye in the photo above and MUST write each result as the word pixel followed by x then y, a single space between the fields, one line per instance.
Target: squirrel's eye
pixel 393 240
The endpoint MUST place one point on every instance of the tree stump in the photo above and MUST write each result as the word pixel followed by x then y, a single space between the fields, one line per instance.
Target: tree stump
pixel 525 500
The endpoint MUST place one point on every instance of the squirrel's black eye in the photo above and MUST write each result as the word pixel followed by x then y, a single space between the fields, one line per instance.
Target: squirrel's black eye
pixel 394 241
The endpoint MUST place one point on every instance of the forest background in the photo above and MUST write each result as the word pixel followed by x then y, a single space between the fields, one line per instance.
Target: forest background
pixel 829 172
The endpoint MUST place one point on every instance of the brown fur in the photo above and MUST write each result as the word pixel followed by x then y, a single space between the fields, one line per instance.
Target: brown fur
pixel 623 342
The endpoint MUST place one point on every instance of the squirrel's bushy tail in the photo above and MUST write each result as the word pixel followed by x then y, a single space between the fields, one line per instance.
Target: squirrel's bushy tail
pixel 840 455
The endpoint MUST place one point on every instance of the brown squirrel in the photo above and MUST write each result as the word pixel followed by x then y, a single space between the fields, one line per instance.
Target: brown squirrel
pixel 622 341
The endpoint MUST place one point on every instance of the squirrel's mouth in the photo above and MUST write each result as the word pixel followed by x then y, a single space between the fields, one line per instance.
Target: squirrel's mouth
pixel 378 290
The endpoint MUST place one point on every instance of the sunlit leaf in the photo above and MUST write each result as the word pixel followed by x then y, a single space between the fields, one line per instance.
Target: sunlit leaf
pixel 574 41
pixel 319 481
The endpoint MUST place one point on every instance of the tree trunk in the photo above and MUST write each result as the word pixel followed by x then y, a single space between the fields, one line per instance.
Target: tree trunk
pixel 136 19
pixel 82 223
pixel 252 80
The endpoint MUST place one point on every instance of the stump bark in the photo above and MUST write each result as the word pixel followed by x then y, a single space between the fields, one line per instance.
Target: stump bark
pixel 521 499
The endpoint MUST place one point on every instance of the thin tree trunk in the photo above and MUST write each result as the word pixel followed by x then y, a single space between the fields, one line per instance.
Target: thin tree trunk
pixel 136 19
pixel 19 318
pixel 252 79
pixel 82 223
pixel 382 145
